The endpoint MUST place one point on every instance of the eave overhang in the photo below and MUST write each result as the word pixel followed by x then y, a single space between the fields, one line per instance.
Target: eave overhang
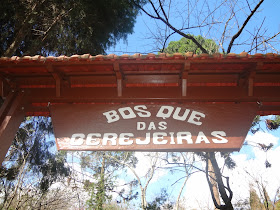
pixel 188 78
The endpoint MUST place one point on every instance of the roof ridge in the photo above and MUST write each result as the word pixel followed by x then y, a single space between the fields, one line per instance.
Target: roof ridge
pixel 149 56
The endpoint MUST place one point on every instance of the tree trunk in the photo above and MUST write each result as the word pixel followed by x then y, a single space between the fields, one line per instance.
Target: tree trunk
pixel 101 185
pixel 214 183
pixel 221 186
pixel 143 199
pixel 178 198
pixel 23 31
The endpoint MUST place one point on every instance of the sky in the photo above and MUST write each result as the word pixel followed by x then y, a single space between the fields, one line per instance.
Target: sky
pixel 143 39
pixel 250 168
pixel 250 160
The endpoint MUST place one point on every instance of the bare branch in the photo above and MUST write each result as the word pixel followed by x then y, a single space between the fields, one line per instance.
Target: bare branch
pixel 161 7
pixel 265 41
pixel 171 26
pixel 211 13
pixel 156 11
pixel 224 32
pixel 146 12
pixel 273 48
pixel 174 32
pixel 249 5
pixel 243 26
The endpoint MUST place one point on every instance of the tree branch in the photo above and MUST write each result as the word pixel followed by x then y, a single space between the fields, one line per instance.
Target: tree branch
pixel 224 32
pixel 166 22
pixel 264 41
pixel 58 18
pixel 23 31
pixel 161 7
pixel 191 27
pixel 243 26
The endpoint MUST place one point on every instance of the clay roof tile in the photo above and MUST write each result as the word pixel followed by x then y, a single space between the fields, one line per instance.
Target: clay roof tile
pixel 137 56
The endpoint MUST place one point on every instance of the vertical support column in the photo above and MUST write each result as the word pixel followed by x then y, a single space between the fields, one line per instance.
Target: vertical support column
pixel 4 87
pixel 246 81
pixel 185 73
pixel 184 83
pixel 11 116
pixel 251 79
pixel 57 84
pixel 119 78
pixel 1 87
pixel 57 81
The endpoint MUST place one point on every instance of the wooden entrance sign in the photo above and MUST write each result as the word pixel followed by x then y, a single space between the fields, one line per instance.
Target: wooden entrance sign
pixel 150 127
pixel 213 85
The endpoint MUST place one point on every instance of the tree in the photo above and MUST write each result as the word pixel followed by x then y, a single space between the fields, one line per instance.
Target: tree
pixel 178 160
pixel 51 27
pixel 227 23
pixel 212 171
pixel 261 200
pixel 154 162
pixel 187 45
pixel 31 158
pixel 224 189
pixel 102 168
pixel 64 27
pixel 255 202
pixel 160 202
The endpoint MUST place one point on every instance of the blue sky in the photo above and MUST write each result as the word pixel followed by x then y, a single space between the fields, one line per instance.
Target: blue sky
pixel 141 41
pixel 249 159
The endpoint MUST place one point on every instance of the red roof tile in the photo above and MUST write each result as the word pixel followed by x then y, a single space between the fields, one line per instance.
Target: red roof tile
pixel 150 56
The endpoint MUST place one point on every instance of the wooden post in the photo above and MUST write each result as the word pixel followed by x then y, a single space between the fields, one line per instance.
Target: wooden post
pixel 187 67
pixel 119 79
pixel 11 116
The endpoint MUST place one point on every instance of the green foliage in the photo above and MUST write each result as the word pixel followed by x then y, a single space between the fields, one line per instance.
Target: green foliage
pixel 263 202
pixel 229 162
pixel 104 170
pixel 273 124
pixel 277 206
pixel 161 201
pixel 64 27
pixel 32 157
pixel 255 127
pixel 255 202
pixel 186 45
pixel 98 195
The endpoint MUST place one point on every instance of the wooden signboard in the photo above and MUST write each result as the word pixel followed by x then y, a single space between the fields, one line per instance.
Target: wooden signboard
pixel 152 127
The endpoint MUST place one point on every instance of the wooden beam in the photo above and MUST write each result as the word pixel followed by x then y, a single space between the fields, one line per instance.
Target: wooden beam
pixel 12 114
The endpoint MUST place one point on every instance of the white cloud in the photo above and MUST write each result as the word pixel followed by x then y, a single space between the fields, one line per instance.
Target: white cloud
pixel 262 138
pixel 198 195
